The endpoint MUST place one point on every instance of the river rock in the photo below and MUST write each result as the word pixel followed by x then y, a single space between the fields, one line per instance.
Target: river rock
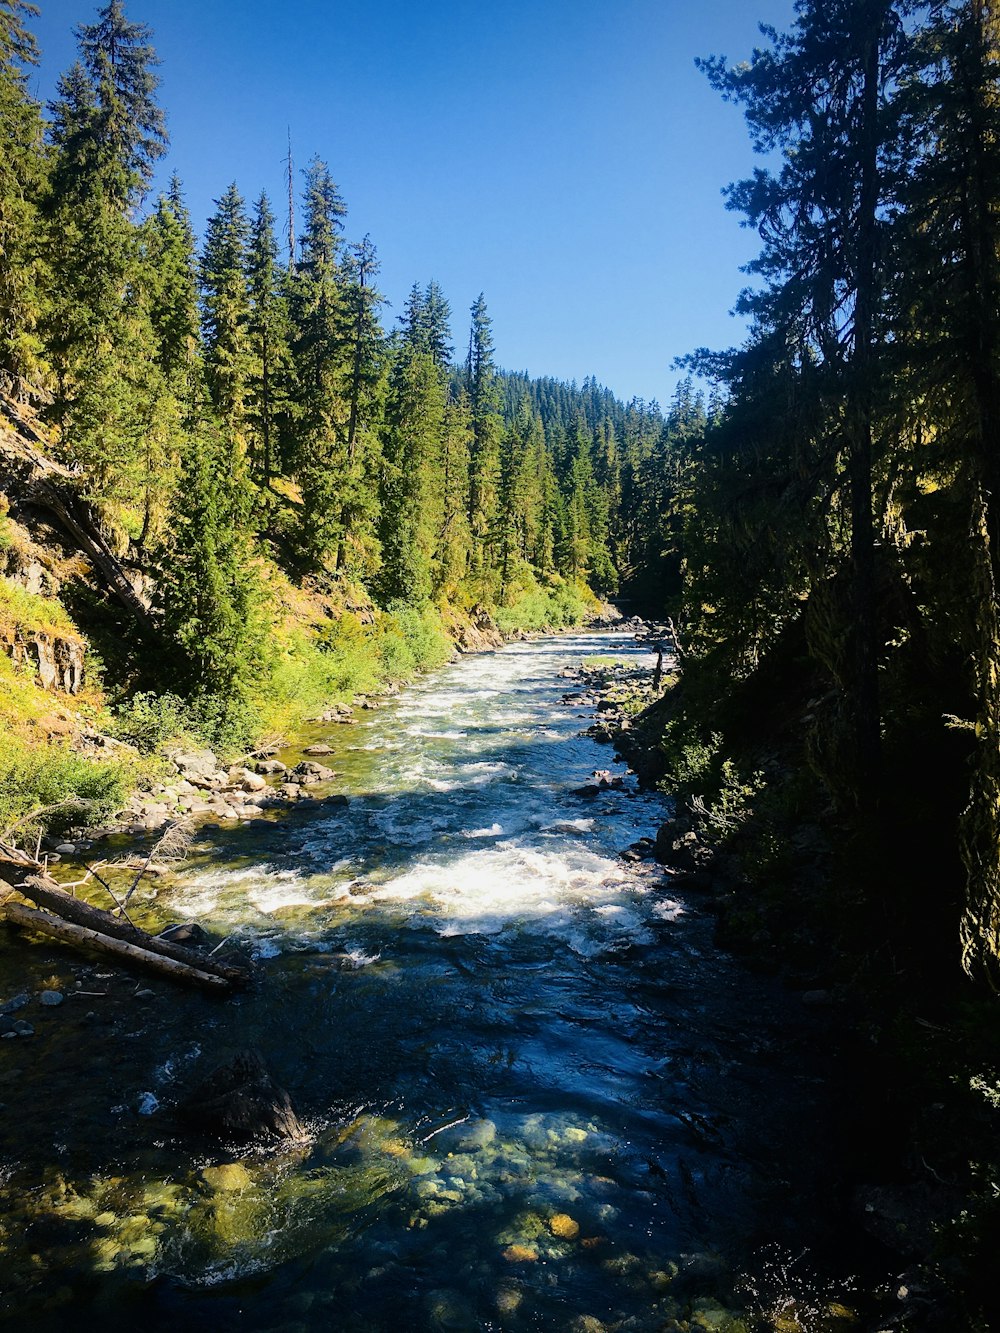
pixel 227 1178
pixel 246 780
pixel 291 791
pixel 185 932
pixel 319 748
pixel 272 767
pixel 12 1006
pixel 309 772
pixel 240 1100
pixel 198 766
pixel 51 998
pixel 470 1136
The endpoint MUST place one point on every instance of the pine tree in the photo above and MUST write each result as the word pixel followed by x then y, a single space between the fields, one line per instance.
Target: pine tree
pixel 268 330
pixel 107 132
pixel 361 338
pixel 453 541
pixel 820 94
pixel 320 431
pixel 210 593
pixel 484 466
pixel 437 322
pixel 226 313
pixel 175 372
pixel 22 179
pixel 413 490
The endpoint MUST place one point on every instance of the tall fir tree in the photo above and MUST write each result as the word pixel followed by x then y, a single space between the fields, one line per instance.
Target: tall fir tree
pixel 361 338
pixel 270 385
pixel 484 465
pixel 225 298
pixel 23 170
pixel 107 132
pixel 321 418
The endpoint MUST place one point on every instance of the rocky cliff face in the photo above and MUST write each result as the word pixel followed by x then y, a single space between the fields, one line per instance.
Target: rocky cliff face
pixel 57 660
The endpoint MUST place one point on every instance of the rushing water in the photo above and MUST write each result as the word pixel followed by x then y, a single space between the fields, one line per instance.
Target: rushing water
pixel 540 1099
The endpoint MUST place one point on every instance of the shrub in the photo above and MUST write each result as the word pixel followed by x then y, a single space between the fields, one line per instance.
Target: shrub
pixel 35 778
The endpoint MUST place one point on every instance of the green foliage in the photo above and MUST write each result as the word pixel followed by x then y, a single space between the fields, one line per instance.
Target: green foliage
pixel 348 658
pixel 23 610
pixel 410 639
pixel 539 609
pixel 33 778
pixel 149 720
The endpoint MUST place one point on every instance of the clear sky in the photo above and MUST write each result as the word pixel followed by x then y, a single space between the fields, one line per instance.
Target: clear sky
pixel 563 156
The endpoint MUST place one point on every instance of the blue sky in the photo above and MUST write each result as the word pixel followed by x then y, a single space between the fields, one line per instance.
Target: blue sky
pixel 563 156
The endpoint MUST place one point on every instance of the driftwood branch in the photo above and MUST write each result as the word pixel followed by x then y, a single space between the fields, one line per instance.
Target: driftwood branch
pixel 44 923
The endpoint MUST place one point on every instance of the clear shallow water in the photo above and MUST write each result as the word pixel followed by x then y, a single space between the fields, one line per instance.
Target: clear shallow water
pixel 538 1094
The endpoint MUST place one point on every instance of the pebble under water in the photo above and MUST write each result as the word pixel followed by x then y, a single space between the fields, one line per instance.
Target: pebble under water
pixel 539 1097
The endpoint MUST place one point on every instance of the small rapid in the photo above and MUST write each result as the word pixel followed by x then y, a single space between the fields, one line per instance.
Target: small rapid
pixel 538 1095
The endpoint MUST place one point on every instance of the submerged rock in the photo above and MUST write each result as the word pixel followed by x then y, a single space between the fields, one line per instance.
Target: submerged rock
pixel 240 1100
pixel 227 1178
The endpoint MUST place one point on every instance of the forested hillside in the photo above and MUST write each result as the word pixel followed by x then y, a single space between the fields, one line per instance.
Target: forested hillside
pixel 285 473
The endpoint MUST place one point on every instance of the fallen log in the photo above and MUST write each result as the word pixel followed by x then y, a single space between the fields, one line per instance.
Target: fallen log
pixel 47 894
pixel 26 876
pixel 44 923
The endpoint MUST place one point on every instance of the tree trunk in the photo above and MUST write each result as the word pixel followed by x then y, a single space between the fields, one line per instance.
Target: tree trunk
pixel 867 721
pixel 47 894
pixel 43 923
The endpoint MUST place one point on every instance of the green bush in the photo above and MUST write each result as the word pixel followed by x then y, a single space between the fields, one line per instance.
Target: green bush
pixel 35 778
pixel 149 720
pixel 540 609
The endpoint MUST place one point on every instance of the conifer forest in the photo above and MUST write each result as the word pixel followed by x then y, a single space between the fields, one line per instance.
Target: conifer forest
pixel 250 517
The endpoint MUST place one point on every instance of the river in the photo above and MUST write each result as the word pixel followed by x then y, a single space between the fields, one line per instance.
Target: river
pixel 539 1097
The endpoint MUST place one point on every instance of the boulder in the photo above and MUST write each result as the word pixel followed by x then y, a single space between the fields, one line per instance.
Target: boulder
pixel 319 748
pixel 309 772
pixel 240 1100
pixel 273 767
pixel 246 780
pixel 198 766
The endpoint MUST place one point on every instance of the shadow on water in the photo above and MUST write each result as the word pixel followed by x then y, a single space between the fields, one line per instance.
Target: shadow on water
pixel 537 1092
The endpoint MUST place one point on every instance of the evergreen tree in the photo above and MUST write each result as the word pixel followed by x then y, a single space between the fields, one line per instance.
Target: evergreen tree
pixel 210 592
pixel 175 373
pixel 22 178
pixel 269 383
pixel 226 313
pixel 361 339
pixel 484 465
pixel 107 132
pixel 437 322
pixel 453 541
pixel 820 94
pixel 413 498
